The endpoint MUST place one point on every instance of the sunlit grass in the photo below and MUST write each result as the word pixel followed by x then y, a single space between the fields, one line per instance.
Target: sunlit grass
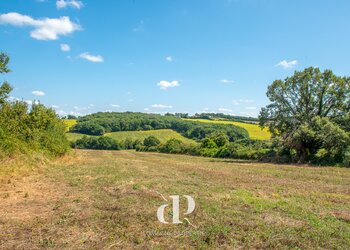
pixel 254 130
pixel 163 135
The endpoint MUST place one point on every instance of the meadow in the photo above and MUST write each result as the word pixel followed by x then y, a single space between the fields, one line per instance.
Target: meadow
pixel 109 199
pixel 254 130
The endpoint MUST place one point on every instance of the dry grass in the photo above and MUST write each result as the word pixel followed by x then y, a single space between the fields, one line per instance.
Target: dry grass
pixel 108 200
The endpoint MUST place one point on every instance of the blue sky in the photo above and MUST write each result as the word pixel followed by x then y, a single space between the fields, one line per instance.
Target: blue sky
pixel 167 56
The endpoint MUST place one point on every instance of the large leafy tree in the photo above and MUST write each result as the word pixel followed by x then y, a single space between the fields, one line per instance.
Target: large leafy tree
pixel 302 105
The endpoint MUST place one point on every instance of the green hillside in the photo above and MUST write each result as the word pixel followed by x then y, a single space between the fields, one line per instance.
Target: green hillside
pixel 254 130
pixel 162 134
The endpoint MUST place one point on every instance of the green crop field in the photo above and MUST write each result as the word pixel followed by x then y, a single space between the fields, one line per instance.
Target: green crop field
pixel 254 130
pixel 163 135
pixel 109 200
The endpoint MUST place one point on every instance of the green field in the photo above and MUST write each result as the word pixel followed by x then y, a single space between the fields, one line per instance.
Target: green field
pixel 163 135
pixel 109 199
pixel 254 130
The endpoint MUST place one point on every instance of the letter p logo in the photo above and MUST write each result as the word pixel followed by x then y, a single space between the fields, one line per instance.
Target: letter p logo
pixel 176 209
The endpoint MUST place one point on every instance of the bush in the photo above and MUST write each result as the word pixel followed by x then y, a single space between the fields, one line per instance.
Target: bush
pixel 173 146
pixel 26 130
pixel 151 141
pixel 89 128
pixel 100 143
pixel 346 159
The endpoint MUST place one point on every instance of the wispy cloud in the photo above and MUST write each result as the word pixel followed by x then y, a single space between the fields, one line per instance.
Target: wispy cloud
pixel 38 93
pixel 169 58
pixel 139 27
pixel 251 108
pixel 227 81
pixel 61 4
pixel 114 105
pixel 225 110
pixel 161 106
pixel 65 47
pixel 92 58
pixel 287 65
pixel 165 84
pixel 242 101
pixel 44 28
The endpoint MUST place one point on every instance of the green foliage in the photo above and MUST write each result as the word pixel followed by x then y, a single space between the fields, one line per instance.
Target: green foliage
pixel 151 141
pixel 89 128
pixel 346 159
pixel 220 139
pixel 39 130
pixel 128 121
pixel 173 146
pixel 309 111
pixel 24 129
pixel 100 143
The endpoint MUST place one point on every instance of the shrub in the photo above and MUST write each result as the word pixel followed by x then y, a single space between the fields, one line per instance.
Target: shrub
pixel 151 141
pixel 346 159
pixel 89 128
pixel 101 143
pixel 173 146
pixel 24 130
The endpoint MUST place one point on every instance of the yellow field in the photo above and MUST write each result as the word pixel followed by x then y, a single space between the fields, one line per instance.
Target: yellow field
pixel 254 130
pixel 162 134
pixel 69 123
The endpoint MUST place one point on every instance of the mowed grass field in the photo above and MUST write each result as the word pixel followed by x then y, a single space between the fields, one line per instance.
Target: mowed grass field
pixel 109 200
pixel 163 135
pixel 254 130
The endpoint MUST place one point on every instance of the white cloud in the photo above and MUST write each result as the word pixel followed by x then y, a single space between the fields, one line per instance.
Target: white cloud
pixel 114 105
pixel 169 58
pixel 165 84
pixel 226 81
pixel 38 93
pixel 87 56
pixel 161 106
pixel 61 4
pixel 61 112
pixel 287 65
pixel 55 106
pixel 65 47
pixel 81 109
pixel 251 108
pixel 45 28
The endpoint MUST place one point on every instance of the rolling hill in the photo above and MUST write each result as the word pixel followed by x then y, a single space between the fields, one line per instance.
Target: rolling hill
pixel 162 134
pixel 254 131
